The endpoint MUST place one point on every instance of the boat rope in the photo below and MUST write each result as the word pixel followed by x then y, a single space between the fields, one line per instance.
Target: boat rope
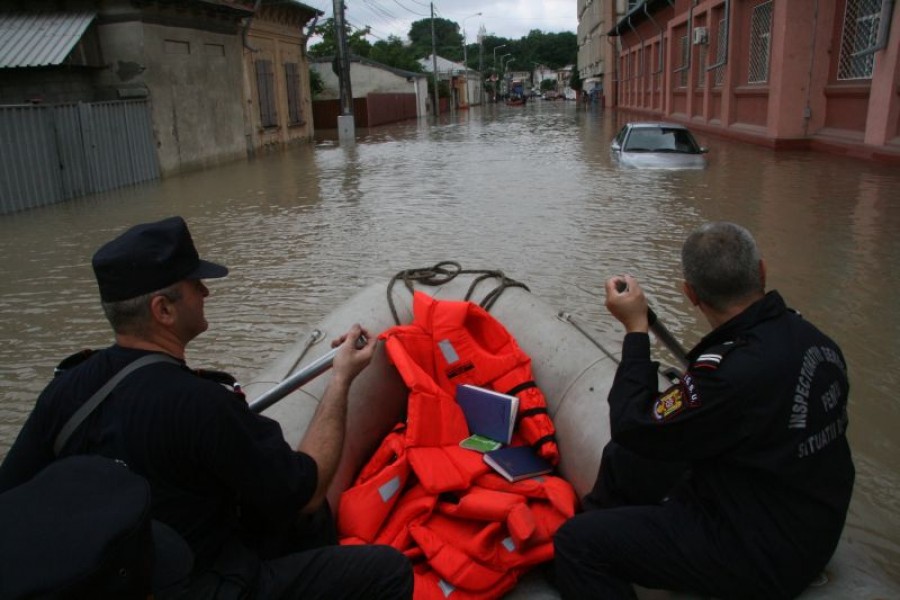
pixel 446 271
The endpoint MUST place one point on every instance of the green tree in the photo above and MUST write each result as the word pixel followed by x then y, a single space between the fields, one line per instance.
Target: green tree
pixel 356 40
pixel 447 39
pixel 575 81
pixel 393 53
pixel 316 84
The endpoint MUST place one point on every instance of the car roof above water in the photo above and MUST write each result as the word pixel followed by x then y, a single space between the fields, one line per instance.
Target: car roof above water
pixel 657 124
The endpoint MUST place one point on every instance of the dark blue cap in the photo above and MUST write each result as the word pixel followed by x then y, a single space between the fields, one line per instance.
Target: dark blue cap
pixel 150 257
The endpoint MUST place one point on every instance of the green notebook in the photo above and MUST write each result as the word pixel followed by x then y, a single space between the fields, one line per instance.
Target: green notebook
pixel 479 443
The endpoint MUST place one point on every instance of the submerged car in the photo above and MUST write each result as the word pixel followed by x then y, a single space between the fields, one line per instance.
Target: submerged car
pixel 658 146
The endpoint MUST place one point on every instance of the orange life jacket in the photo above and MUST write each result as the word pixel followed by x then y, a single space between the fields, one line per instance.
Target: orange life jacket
pixel 455 342
pixel 466 529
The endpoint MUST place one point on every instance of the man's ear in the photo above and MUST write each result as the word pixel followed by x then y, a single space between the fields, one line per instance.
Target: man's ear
pixel 161 309
pixel 690 293
pixel 762 274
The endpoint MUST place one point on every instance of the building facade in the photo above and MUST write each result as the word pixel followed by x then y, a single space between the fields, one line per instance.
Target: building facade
pixel 222 78
pixel 278 103
pixel 803 74
pixel 381 94
pixel 465 84
pixel 597 51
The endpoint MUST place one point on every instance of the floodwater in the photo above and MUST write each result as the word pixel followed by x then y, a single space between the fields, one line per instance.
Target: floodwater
pixel 531 191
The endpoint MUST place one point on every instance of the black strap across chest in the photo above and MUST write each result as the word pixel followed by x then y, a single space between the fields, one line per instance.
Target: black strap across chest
pixel 100 395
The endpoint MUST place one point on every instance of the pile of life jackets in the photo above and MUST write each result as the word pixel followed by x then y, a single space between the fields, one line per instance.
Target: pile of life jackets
pixel 468 531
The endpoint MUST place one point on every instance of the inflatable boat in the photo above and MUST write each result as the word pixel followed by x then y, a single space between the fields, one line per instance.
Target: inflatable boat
pixel 573 365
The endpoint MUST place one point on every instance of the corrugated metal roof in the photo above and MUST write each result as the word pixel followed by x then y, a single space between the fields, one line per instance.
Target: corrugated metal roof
pixel 40 39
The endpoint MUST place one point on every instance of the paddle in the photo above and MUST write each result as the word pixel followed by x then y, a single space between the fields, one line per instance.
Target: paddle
pixel 660 331
pixel 300 378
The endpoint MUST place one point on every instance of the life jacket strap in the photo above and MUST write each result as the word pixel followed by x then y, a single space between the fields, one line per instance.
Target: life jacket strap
pixel 525 385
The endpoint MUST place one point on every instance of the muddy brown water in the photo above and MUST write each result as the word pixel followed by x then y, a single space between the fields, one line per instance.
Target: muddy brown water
pixel 529 190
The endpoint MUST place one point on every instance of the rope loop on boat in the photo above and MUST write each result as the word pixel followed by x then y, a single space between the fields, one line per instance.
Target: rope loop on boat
pixel 446 271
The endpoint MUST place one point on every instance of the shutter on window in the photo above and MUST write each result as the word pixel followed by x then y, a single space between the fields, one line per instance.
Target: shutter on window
pixel 265 85
pixel 292 77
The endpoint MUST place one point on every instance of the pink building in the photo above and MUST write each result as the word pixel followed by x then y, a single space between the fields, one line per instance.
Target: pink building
pixel 799 74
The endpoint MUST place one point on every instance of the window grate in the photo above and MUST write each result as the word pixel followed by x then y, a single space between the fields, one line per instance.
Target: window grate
pixel 685 62
pixel 719 73
pixel 862 18
pixel 760 36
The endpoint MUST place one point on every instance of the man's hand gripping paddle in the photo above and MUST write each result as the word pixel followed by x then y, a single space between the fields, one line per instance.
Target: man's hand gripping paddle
pixel 300 378
pixel 660 331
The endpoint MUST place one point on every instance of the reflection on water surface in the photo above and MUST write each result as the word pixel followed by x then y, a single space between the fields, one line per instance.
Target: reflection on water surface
pixel 527 190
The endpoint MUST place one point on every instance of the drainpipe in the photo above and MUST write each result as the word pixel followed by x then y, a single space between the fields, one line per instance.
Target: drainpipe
pixel 247 28
pixel 807 110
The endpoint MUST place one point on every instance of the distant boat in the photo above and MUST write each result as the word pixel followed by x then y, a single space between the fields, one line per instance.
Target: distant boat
pixel 516 101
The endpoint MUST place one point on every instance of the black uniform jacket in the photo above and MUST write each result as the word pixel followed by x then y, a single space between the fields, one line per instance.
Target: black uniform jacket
pixel 206 455
pixel 760 415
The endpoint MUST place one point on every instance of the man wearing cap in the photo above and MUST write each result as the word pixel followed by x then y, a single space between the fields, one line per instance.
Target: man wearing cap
pixel 214 467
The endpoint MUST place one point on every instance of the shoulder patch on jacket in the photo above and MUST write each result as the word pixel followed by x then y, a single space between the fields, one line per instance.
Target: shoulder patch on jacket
pixel 670 403
pixel 713 357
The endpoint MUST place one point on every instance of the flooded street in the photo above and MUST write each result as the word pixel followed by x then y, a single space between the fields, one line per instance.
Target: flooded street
pixel 530 191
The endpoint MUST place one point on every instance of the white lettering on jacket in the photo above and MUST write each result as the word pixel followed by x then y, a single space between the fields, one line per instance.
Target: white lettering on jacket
pixel 814 356
pixel 822 438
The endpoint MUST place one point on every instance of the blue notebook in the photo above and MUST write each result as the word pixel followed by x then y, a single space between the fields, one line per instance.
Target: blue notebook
pixel 488 413
pixel 517 462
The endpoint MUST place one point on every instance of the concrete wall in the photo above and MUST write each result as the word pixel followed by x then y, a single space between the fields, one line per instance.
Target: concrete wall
pixel 364 80
pixel 369 79
pixel 192 72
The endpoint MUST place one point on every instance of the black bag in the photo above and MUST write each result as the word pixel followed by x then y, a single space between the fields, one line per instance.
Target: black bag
pixel 81 528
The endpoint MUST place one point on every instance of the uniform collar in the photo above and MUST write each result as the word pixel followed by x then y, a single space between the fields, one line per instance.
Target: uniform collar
pixel 768 307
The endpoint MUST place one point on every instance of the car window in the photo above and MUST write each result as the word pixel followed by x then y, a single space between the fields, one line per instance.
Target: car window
pixel 661 139
pixel 683 141
pixel 643 139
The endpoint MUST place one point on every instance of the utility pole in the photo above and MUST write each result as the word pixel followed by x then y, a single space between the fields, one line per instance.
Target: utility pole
pixel 481 63
pixel 345 120
pixel 437 101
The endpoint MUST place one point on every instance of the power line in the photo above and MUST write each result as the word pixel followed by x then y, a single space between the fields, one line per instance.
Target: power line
pixel 379 10
pixel 409 10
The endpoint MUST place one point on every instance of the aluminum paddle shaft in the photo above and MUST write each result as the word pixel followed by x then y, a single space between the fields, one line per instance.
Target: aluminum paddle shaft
pixel 299 379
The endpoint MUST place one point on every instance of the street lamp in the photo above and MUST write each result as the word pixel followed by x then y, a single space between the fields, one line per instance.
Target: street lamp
pixel 495 54
pixel 465 60
pixel 465 54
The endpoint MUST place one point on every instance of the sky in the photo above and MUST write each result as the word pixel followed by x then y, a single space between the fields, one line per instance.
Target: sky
pixel 511 19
